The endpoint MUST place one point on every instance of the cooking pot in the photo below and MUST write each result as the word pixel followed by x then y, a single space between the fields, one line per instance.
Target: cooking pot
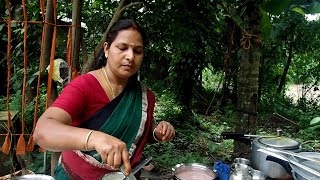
pixel 301 174
pixel 270 168
pixel 193 171
pixel 258 159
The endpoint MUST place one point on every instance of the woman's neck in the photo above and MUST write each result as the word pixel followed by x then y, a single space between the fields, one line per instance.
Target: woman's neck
pixel 117 84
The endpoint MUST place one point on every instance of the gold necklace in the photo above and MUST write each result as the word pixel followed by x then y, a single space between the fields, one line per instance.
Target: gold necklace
pixel 106 78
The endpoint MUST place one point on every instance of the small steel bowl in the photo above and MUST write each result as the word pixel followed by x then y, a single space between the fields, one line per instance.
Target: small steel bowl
pixel 242 161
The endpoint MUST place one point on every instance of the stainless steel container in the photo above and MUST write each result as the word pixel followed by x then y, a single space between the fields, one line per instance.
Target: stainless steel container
pixel 270 168
pixel 301 174
pixel 240 172
pixel 242 161
pixel 193 171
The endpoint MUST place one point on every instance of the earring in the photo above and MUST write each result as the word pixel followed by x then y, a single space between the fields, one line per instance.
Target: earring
pixel 106 55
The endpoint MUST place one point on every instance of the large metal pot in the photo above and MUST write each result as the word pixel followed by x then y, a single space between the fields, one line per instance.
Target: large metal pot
pixel 270 168
pixel 301 174
pixel 258 159
pixel 193 171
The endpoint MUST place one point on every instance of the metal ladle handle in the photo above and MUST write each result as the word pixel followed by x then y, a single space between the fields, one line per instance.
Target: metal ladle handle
pixel 141 165
pixel 291 161
pixel 294 154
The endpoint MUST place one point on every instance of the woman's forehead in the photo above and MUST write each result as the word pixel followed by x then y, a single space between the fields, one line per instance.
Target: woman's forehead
pixel 129 36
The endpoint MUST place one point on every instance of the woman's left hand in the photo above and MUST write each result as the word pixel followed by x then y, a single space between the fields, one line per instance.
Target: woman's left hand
pixel 164 131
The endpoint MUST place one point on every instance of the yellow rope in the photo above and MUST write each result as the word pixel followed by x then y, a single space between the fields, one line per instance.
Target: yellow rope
pixel 246 39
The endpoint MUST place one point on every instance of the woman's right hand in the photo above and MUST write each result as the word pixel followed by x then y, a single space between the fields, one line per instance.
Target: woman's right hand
pixel 112 150
pixel 55 133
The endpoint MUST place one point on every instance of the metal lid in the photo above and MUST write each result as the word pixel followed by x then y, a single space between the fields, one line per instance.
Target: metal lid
pixel 280 142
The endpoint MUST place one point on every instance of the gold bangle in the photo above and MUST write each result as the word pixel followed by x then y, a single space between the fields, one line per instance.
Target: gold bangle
pixel 87 139
pixel 154 135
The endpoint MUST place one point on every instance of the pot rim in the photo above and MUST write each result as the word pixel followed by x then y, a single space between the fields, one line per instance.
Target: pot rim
pixel 200 166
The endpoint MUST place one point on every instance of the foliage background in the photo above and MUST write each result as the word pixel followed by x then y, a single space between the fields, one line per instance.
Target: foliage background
pixel 185 65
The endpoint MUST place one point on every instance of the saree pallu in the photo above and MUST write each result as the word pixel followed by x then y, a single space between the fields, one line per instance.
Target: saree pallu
pixel 124 117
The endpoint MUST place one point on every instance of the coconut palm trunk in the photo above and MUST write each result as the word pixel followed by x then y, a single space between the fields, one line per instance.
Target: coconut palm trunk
pixel 248 76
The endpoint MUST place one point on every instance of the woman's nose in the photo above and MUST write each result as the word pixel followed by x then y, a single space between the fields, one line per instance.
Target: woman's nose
pixel 130 54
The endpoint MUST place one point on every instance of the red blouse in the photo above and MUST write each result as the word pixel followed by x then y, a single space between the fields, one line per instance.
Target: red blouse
pixel 81 98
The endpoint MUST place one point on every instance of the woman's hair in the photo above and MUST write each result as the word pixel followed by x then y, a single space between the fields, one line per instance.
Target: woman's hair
pixel 118 26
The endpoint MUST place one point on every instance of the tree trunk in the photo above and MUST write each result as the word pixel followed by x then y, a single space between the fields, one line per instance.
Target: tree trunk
pixel 248 76
pixel 84 49
pixel 76 32
pixel 285 71
pixel 47 36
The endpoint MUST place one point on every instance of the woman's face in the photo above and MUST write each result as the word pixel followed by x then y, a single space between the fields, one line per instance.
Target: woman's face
pixel 125 54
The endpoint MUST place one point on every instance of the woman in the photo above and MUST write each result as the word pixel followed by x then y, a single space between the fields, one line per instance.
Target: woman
pixel 104 118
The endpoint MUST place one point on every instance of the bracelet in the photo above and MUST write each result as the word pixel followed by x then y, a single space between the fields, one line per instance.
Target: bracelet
pixel 87 139
pixel 154 135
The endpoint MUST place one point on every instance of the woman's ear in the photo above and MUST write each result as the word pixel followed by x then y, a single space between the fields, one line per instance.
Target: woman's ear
pixel 105 49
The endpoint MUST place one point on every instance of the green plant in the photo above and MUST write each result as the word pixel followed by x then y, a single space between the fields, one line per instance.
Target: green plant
pixel 3 102
pixel 36 162
pixel 197 138
pixel 312 132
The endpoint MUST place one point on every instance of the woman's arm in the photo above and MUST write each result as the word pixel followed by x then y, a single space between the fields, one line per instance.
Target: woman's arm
pixel 164 131
pixel 55 133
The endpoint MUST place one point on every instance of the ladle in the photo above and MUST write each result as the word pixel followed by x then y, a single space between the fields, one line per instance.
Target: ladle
pixel 135 170
pixel 294 154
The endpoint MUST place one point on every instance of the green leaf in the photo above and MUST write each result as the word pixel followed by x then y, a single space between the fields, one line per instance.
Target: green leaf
pixel 298 10
pixel 29 82
pixel 1 26
pixel 276 7
pixel 315 121
pixel 265 25
pixel 34 18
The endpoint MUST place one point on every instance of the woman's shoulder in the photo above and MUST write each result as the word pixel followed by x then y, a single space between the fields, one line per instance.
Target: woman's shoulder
pixel 84 80
pixel 84 77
